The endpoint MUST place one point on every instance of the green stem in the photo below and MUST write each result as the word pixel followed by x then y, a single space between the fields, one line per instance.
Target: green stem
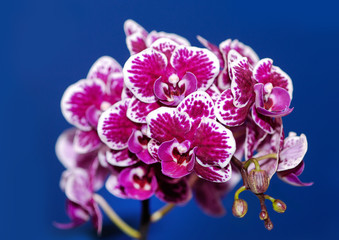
pixel 240 190
pixel 156 216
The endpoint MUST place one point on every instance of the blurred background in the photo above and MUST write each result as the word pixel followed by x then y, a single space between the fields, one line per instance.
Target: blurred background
pixel 46 45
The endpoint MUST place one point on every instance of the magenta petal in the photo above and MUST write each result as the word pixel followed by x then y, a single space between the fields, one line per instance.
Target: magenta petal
pixel 188 83
pixel 104 68
pixel 291 176
pixel 114 187
pixel 213 173
pixel 131 27
pixel 165 46
pixel 277 104
pixel 165 123
pixel 153 149
pixel 176 159
pixel 78 98
pixel 85 142
pixel 114 128
pixel 215 143
pixel 154 35
pixel 293 152
pixel 76 213
pixel 138 144
pixel 201 62
pixel 265 123
pixel 137 110
pixel 242 83
pixel 77 187
pixel 136 43
pixel 159 89
pixel 213 48
pixel 141 71
pixel 121 158
pixel 264 72
pixel 139 182
pixel 197 105
pixel 64 148
pixel 227 113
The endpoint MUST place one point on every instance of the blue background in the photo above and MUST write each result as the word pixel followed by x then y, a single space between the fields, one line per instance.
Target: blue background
pixel 47 45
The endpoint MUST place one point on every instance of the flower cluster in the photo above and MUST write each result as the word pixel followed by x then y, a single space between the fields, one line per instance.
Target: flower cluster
pixel 177 121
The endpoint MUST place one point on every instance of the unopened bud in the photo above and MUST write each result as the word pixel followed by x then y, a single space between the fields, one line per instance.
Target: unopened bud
pixel 263 215
pixel 258 181
pixel 268 224
pixel 279 206
pixel 239 208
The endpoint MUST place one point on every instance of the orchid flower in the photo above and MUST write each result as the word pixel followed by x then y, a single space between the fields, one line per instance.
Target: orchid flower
pixel 188 138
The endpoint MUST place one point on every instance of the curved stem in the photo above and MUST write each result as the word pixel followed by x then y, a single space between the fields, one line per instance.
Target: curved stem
pixel 156 216
pixel 121 224
pixel 240 190
pixel 252 160
pixel 271 155
pixel 269 198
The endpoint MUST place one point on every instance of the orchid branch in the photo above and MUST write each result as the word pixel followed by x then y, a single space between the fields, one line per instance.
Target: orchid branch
pixel 121 224
pixel 156 216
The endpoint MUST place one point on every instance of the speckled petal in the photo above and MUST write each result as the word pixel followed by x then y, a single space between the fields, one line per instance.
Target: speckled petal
pixel 213 48
pixel 213 173
pixel 114 128
pixel 138 110
pixel 197 105
pixel 77 187
pixel 154 35
pixel 121 158
pixel 213 92
pixel 142 70
pixel 164 124
pixel 265 123
pixel 242 83
pixel 227 113
pixel 264 72
pixel 104 68
pixel 78 98
pixel 201 62
pixel 165 46
pixel 114 187
pixel 293 152
pixel 138 144
pixel 215 143
pixel 86 141
pixel 292 176
pixel 176 159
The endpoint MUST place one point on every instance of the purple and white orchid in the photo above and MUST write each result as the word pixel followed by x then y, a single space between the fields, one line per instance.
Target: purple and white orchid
pixel 177 121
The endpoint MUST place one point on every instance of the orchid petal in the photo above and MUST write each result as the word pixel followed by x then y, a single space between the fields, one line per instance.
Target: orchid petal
pixel 104 68
pixel 121 158
pixel 131 27
pixel 227 113
pixel 138 182
pixel 165 123
pixel 85 142
pixel 242 83
pixel 213 48
pixel 136 43
pixel 114 187
pixel 78 98
pixel 165 46
pixel 215 143
pixel 154 35
pixel 114 128
pixel 197 105
pixel 265 123
pixel 277 104
pixel 293 152
pixel 213 173
pixel 201 62
pixel 264 72
pixel 254 137
pixel 76 213
pixel 138 144
pixel 176 159
pixel 138 110
pixel 153 149
pixel 141 71
pixel 77 187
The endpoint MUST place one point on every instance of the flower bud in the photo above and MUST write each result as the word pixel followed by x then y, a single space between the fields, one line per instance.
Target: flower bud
pixel 263 215
pixel 239 208
pixel 258 181
pixel 279 206
pixel 268 224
